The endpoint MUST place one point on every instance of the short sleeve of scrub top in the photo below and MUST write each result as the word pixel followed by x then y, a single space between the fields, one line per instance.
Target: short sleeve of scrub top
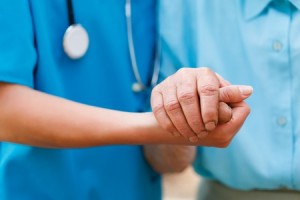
pixel 18 55
pixel 31 54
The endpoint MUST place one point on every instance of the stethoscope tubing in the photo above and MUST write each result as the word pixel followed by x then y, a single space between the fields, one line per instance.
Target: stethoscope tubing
pixel 138 86
pixel 131 45
pixel 71 12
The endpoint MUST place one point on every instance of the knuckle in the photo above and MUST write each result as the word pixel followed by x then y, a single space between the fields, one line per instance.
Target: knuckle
pixel 155 90
pixel 209 90
pixel 205 69
pixel 157 108
pixel 172 106
pixel 169 80
pixel 185 73
pixel 155 93
pixel 187 97
pixel 183 70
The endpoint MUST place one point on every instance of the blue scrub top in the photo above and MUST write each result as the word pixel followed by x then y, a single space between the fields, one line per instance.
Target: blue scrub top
pixel 31 54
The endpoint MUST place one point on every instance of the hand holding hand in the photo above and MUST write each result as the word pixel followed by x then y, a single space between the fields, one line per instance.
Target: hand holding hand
pixel 192 102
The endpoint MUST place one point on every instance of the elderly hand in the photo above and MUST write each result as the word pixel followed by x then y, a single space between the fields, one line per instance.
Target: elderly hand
pixel 192 102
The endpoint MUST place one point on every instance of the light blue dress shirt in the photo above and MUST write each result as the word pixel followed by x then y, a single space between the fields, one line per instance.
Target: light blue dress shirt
pixel 31 54
pixel 255 42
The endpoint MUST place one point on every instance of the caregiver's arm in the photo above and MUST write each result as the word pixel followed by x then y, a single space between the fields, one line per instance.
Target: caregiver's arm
pixel 34 118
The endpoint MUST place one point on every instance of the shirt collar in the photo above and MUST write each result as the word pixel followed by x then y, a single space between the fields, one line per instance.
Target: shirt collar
pixel 296 3
pixel 255 7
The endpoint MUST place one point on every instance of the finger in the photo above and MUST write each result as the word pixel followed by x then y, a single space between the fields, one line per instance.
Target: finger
pixel 223 82
pixel 225 132
pixel 225 113
pixel 160 114
pixel 208 89
pixel 240 112
pixel 235 93
pixel 189 101
pixel 175 112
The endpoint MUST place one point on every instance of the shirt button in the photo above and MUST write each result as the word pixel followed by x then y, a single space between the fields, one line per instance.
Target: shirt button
pixel 281 121
pixel 277 46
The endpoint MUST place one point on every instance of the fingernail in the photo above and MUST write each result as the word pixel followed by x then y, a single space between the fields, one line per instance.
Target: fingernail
pixel 246 90
pixel 210 126
pixel 193 139
pixel 176 134
pixel 202 134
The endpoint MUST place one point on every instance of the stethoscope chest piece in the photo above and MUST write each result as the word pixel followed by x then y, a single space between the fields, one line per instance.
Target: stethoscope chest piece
pixel 137 87
pixel 75 41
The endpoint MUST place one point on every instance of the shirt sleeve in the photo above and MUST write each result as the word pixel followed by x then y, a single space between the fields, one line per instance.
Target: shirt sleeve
pixel 17 48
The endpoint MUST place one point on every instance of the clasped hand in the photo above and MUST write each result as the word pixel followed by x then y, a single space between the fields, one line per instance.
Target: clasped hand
pixel 201 106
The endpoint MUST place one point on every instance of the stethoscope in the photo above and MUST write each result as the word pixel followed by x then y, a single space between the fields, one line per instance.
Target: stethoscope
pixel 76 43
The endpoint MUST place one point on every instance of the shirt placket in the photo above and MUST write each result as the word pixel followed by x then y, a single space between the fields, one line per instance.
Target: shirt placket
pixel 279 64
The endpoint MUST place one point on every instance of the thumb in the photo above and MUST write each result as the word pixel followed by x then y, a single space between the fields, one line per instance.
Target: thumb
pixel 235 93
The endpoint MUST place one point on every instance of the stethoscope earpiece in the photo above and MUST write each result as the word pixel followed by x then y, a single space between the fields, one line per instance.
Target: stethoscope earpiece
pixel 76 41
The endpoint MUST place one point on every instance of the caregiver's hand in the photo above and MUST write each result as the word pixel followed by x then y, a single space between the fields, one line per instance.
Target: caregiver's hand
pixel 192 102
